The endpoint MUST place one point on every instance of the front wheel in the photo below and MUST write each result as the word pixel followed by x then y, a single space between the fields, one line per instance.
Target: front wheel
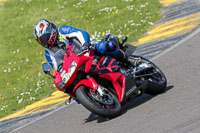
pixel 107 105
pixel 157 80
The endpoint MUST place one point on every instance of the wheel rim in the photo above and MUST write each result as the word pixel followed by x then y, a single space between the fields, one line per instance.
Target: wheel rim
pixel 154 74
pixel 105 101
pixel 158 77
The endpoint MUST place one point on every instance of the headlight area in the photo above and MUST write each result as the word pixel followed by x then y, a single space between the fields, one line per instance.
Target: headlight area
pixel 72 68
pixel 66 76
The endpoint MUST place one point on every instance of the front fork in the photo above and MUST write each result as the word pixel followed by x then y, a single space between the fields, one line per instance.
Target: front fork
pixel 103 97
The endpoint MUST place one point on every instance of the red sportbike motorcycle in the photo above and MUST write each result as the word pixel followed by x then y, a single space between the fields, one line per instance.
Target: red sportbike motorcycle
pixel 102 84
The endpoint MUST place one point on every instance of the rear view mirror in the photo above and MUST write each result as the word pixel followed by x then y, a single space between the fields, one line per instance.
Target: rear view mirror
pixel 47 69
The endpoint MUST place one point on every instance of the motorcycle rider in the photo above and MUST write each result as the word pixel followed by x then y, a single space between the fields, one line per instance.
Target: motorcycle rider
pixel 49 36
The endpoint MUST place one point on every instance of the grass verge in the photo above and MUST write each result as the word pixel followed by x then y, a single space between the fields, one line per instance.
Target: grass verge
pixel 22 81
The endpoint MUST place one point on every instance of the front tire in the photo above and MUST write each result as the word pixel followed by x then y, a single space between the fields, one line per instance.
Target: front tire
pixel 85 98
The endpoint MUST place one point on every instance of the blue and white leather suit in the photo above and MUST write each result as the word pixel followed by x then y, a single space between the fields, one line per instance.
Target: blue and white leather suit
pixel 66 33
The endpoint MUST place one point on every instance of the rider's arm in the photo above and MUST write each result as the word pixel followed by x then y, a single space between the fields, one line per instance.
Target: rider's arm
pixel 70 32
pixel 48 57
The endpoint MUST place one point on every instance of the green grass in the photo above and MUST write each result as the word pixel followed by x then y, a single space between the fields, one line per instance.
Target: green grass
pixel 22 81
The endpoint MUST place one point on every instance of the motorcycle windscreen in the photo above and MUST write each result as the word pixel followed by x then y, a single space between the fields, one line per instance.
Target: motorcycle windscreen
pixel 76 46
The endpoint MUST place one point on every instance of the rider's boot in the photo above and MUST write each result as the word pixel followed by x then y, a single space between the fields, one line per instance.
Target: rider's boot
pixel 122 57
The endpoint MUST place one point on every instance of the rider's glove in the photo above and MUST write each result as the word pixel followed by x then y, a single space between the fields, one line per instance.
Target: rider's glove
pixel 86 44
pixel 85 47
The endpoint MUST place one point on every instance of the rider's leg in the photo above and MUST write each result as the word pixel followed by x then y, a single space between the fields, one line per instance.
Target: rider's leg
pixel 109 49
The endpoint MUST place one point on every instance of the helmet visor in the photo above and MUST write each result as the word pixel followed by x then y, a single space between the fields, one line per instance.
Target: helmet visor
pixel 46 36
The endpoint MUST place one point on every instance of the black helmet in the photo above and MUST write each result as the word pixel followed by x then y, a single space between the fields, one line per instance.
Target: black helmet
pixel 46 33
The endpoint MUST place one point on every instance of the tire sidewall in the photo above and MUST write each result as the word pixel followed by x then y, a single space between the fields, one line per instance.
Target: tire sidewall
pixel 85 100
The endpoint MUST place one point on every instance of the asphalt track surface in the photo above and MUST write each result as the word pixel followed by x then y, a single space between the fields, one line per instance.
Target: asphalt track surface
pixel 175 111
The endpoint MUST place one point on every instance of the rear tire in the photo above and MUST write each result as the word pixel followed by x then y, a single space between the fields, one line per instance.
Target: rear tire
pixel 155 88
pixel 82 93
pixel 157 83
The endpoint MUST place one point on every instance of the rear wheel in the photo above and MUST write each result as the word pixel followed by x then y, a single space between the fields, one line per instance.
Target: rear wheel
pixel 106 105
pixel 157 81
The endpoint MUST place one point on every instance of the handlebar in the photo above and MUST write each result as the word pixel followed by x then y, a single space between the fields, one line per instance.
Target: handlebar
pixel 88 48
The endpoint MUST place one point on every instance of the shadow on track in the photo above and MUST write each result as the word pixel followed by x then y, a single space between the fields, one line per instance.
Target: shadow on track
pixel 129 105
